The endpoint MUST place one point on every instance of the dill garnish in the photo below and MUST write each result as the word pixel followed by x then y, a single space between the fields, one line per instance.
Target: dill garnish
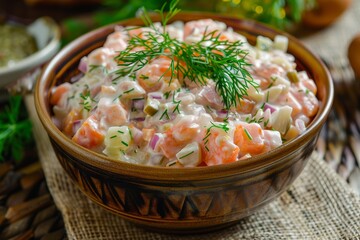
pixel 211 58
pixel 165 113
pixel 87 101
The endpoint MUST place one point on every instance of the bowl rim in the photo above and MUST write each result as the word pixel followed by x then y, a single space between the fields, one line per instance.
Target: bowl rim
pixel 38 57
pixel 157 173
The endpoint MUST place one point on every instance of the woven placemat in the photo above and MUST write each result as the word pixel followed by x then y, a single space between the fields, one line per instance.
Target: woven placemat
pixel 319 205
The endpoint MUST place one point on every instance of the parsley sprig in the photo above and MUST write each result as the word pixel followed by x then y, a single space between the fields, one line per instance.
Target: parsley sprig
pixel 15 130
pixel 211 58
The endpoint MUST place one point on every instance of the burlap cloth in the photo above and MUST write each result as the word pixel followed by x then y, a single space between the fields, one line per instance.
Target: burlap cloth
pixel 319 205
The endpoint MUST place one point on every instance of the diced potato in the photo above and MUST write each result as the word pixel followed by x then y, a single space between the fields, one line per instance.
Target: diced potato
pixel 113 152
pixel 281 43
pixel 263 43
pixel 283 62
pixel 254 94
pixel 190 155
pixel 131 90
pixel 118 137
pixel 278 80
pixel 281 119
pixel 273 93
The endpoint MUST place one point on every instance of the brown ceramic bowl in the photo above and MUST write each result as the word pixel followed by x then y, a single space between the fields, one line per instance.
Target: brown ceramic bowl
pixel 192 199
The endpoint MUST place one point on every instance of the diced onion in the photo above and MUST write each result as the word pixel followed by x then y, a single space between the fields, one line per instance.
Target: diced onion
pixel 83 65
pixel 154 140
pixel 76 125
pixel 138 104
pixel 156 95
pixel 270 107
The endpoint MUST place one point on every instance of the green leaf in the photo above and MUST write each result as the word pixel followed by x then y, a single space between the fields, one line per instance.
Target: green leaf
pixel 15 130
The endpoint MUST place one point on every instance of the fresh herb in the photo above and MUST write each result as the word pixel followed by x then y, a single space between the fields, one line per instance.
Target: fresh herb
pixel 144 77
pixel 266 123
pixel 210 58
pixel 114 136
pixel 165 113
pixel 15 130
pixel 129 91
pixel 262 106
pixel 167 94
pixel 101 67
pixel 125 143
pixel 131 136
pixel 177 103
pixel 254 120
pixel 186 155
pixel 248 134
pixel 87 100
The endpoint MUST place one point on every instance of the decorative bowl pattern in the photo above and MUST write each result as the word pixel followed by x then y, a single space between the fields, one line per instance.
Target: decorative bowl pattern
pixel 182 200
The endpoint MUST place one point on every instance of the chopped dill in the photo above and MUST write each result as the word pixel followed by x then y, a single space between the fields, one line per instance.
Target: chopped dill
pixel 177 103
pixel 165 113
pixel 210 58
pixel 248 134
pixel 186 155
pixel 100 67
pixel 167 94
pixel 129 91
pixel 87 100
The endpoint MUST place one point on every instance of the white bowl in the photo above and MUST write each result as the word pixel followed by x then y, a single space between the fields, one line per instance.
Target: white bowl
pixel 47 35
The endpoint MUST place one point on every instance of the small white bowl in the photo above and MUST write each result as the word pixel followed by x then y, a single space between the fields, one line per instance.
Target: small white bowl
pixel 47 35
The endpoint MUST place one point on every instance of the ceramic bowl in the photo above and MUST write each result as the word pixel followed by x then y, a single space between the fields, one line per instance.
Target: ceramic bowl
pixel 192 199
pixel 47 35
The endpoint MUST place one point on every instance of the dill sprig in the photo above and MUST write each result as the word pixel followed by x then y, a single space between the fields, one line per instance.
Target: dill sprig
pixel 211 58
pixel 15 130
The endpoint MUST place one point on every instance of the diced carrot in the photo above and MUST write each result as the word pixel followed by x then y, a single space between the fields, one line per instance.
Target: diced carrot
pixel 219 149
pixel 69 122
pixel 245 105
pixel 310 85
pixel 58 92
pixel 249 138
pixel 169 146
pixel 148 133
pixel 177 137
pixel 310 105
pixel 308 102
pixel 89 135
pixel 115 114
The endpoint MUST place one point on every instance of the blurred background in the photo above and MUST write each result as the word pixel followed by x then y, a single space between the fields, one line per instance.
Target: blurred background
pixel 79 16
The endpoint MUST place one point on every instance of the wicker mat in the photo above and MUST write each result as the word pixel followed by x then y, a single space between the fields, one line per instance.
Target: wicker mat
pixel 319 205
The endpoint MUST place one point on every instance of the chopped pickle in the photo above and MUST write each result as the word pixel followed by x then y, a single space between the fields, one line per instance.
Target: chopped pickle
pixel 293 76
pixel 151 106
